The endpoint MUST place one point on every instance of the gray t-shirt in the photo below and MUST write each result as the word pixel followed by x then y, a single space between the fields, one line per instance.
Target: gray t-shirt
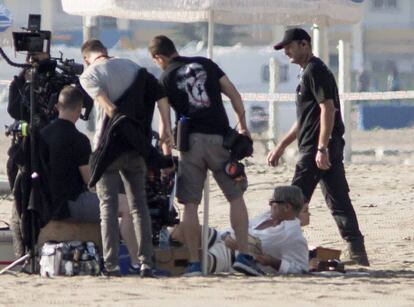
pixel 112 76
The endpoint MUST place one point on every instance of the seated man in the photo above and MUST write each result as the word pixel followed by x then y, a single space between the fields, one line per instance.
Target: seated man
pixel 278 242
pixel 66 152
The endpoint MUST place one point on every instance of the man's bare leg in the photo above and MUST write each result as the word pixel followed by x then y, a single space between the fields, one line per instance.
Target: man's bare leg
pixel 191 230
pixel 240 223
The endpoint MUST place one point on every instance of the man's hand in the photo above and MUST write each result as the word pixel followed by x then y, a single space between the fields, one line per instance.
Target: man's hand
pixel 245 132
pixel 230 242
pixel 111 112
pixel 108 106
pixel 322 160
pixel 274 156
pixel 166 137
pixel 264 259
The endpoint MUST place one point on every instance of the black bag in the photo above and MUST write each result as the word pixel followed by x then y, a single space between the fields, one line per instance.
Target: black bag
pixel 240 145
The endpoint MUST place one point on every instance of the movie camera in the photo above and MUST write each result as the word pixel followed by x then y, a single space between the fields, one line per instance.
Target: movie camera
pixel 46 74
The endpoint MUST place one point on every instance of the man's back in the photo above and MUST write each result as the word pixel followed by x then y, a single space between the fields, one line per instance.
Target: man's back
pixel 113 76
pixel 65 150
pixel 193 89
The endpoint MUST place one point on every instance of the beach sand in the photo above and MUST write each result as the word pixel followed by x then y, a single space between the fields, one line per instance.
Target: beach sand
pixel 382 191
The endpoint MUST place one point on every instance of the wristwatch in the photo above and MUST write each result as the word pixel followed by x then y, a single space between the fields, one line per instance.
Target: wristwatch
pixel 322 150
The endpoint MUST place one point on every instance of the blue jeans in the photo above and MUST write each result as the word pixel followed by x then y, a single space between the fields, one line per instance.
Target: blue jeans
pixel 131 168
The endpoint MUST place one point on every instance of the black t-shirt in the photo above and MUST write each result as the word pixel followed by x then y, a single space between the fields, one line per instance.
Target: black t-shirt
pixel 65 149
pixel 193 89
pixel 316 85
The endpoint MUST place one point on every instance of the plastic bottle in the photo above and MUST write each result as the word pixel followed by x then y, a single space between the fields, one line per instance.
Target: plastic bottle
pixel 164 238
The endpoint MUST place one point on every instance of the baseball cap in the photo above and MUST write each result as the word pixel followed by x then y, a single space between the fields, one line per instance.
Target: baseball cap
pixel 294 34
pixel 290 194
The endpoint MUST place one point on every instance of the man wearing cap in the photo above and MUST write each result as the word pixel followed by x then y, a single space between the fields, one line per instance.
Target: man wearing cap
pixel 319 132
pixel 275 238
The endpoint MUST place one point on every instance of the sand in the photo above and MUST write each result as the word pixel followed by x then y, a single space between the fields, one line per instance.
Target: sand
pixel 382 191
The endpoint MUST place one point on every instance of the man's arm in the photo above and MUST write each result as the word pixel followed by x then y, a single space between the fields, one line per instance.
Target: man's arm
pixel 103 100
pixel 228 89
pixel 274 156
pixel 326 126
pixel 85 172
pixel 166 138
pixel 268 260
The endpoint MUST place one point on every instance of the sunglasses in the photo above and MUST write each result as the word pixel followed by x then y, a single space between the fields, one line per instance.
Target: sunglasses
pixel 278 202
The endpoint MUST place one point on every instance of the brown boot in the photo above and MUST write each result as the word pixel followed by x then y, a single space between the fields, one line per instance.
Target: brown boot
pixel 356 253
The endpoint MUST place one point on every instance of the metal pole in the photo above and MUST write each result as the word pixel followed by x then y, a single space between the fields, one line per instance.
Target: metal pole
pixel 273 130
pixel 204 241
pixel 90 30
pixel 344 85
pixel 210 35
pixel 316 41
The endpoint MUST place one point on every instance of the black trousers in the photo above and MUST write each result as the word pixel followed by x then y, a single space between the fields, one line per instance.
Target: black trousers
pixel 335 189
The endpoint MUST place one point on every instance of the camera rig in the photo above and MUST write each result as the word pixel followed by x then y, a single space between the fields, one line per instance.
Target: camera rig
pixel 36 91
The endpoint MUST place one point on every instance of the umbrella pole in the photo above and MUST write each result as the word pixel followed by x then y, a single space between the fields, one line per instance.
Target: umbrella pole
pixel 204 241
pixel 210 35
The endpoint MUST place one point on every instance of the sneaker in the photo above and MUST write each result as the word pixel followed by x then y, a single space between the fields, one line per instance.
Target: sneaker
pixel 134 269
pixel 212 236
pixel 115 272
pixel 146 271
pixel 193 269
pixel 356 253
pixel 247 265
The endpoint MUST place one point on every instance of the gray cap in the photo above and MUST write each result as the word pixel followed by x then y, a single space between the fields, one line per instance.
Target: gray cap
pixel 290 194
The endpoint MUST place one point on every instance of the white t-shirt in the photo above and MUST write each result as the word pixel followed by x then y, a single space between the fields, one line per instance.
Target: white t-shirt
pixel 112 76
pixel 285 242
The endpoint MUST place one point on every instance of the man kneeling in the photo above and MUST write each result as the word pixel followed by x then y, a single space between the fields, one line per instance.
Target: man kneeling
pixel 66 152
pixel 275 238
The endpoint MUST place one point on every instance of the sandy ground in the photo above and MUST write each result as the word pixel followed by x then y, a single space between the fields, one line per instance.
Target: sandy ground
pixel 382 190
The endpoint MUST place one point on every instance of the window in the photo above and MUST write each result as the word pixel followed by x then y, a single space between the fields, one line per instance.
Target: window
pixel 265 73
pixel 385 4
pixel 108 22
pixel 283 73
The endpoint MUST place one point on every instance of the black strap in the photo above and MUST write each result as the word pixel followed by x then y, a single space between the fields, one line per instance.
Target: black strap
pixel 7 225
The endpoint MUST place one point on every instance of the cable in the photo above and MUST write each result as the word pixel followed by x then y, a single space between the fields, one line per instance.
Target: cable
pixel 11 63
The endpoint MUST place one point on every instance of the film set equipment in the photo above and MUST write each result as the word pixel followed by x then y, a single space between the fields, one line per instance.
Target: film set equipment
pixel 240 147
pixel 34 39
pixel 160 190
pixel 43 78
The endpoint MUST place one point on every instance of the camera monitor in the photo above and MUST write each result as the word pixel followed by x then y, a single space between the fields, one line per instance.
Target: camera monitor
pixel 33 24
pixel 31 42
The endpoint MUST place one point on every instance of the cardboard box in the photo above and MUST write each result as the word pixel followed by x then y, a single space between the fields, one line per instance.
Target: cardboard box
pixel 174 260
pixel 70 231
pixel 325 254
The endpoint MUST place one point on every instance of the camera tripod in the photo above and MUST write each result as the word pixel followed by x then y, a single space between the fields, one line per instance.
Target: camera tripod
pixel 34 185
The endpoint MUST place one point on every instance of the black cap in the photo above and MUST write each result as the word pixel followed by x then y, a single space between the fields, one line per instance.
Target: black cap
pixel 294 34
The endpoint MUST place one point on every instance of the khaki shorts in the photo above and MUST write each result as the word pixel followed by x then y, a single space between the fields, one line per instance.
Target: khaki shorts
pixel 206 152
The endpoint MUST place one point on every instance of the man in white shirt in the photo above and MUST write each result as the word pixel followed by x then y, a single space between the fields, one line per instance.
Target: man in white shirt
pixel 275 238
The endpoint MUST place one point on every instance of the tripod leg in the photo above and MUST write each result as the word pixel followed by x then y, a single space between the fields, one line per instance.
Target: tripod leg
pixel 16 262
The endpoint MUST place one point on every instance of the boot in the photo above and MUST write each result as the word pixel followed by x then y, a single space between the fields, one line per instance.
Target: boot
pixel 356 253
